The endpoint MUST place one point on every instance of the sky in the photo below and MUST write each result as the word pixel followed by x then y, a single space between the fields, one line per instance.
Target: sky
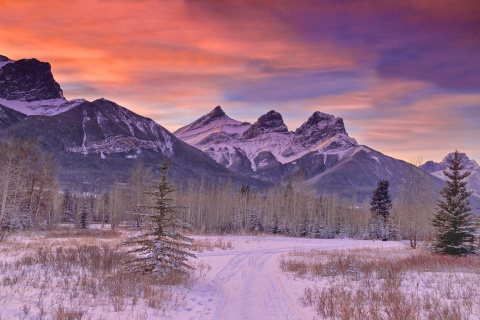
pixel 404 75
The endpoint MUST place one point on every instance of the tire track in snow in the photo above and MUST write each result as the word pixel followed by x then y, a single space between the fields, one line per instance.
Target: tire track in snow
pixel 248 284
pixel 245 289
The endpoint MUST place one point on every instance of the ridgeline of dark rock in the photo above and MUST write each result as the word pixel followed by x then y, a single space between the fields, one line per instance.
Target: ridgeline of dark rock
pixel 28 80
pixel 270 122
pixel 97 142
pixel 319 154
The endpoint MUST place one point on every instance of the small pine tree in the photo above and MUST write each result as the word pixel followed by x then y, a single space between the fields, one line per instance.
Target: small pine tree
pixel 163 248
pixel 380 209
pixel 453 221
pixel 83 216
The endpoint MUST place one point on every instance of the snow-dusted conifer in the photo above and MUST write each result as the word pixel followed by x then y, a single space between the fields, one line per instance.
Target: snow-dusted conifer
pixel 380 209
pixel 83 216
pixel 162 248
pixel 453 221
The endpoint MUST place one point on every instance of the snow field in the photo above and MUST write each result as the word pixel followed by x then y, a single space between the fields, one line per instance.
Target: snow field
pixel 236 277
pixel 387 284
pixel 246 282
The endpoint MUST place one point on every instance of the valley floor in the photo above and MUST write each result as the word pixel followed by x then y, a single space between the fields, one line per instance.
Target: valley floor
pixel 246 282
pixel 58 275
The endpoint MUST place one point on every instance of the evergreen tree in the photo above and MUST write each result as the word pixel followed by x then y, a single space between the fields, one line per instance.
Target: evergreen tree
pixel 380 209
pixel 83 215
pixel 162 248
pixel 453 221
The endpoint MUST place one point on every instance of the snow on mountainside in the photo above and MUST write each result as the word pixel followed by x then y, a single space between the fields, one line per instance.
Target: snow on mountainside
pixel 246 148
pixel 4 61
pixel 28 86
pixel 95 143
pixel 319 154
pixel 470 165
pixel 41 107
pixel 215 125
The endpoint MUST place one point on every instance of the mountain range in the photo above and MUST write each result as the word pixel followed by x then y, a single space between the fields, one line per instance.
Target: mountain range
pixel 470 165
pixel 320 154
pixel 98 142
pixel 94 142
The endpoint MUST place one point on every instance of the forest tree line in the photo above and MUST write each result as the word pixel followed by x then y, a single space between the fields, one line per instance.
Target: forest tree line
pixel 30 196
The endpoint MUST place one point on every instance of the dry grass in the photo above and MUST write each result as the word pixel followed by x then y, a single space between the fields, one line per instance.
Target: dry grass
pixel 387 284
pixel 83 233
pixel 201 245
pixel 57 277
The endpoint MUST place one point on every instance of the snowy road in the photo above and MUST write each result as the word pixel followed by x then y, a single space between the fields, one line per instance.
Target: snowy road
pixel 246 282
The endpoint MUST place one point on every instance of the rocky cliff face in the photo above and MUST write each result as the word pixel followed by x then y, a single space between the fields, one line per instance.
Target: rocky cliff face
pixel 267 143
pixel 272 122
pixel 319 154
pixel 95 142
pixel 470 165
pixel 28 86
pixel 28 80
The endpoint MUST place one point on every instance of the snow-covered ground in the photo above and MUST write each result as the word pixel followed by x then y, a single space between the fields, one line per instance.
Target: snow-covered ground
pixel 246 282
pixel 242 282
pixel 70 275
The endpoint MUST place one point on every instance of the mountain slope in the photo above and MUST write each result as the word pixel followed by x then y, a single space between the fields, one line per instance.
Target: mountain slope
pixel 473 180
pixel 28 86
pixel 95 142
pixel 248 149
pixel 9 117
pixel 319 154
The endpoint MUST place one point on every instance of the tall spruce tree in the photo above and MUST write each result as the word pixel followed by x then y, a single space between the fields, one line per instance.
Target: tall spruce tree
pixel 380 209
pixel 453 220
pixel 162 249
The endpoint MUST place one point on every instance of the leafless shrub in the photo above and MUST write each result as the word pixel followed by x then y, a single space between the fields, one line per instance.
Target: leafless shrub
pixel 201 245
pixel 356 284
pixel 90 276
pixel 62 313
pixel 68 232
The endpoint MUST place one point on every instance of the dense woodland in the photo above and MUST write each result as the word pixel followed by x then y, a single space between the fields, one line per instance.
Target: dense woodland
pixel 31 197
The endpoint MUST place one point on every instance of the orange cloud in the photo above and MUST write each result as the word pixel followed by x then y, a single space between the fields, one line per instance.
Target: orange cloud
pixel 176 60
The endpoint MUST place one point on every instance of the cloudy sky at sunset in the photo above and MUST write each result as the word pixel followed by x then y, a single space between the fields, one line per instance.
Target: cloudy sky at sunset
pixel 404 75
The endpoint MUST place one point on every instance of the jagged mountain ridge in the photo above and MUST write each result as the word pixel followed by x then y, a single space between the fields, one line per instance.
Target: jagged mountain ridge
pixel 319 154
pixel 98 142
pixel 28 86
pixel 470 165
pixel 94 142
pixel 248 148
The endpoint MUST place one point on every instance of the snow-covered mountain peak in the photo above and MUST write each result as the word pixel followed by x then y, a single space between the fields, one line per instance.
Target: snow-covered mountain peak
pixel 246 148
pixel 313 133
pixel 4 61
pixel 217 112
pixel 469 164
pixel 28 86
pixel 323 123
pixel 433 167
pixel 215 126
pixel 28 80
pixel 269 122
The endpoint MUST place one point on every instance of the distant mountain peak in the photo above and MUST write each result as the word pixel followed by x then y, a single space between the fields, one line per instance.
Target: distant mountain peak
pixel 432 167
pixel 321 121
pixel 469 164
pixel 28 80
pixel 272 121
pixel 217 112
pixel 316 130
pixel 3 58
